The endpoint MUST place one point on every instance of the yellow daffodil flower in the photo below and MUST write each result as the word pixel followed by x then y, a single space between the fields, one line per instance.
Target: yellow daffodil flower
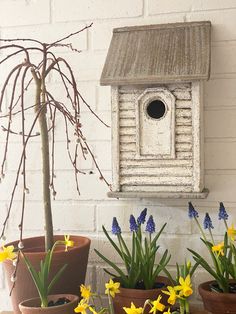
pixel 172 295
pixel 133 309
pixel 168 312
pixel 218 248
pixel 68 242
pixel 112 288
pixel 81 307
pixel 157 305
pixel 231 232
pixel 7 253
pixel 185 286
pixel 85 292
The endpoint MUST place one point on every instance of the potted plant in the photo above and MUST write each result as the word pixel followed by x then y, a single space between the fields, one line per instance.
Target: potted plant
pixel 33 63
pixel 219 295
pixel 180 289
pixel 45 303
pixel 141 279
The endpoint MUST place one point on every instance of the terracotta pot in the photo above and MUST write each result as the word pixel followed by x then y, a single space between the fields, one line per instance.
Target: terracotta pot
pixel 217 303
pixel 138 296
pixel 74 275
pixel 32 306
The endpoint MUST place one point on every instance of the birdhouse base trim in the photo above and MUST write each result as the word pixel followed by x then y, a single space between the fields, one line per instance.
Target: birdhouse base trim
pixel 160 195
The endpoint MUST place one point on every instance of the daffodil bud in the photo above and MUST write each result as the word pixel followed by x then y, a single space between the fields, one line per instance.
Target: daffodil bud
pixel 189 265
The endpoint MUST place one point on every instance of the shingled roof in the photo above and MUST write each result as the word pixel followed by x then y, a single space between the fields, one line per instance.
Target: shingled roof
pixel 158 53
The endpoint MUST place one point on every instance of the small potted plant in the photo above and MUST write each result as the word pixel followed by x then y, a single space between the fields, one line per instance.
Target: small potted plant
pixel 141 279
pixel 219 295
pixel 31 64
pixel 45 303
pixel 180 289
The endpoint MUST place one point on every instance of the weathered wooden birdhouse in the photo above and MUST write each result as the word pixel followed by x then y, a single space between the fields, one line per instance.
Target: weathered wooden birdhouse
pixel 157 73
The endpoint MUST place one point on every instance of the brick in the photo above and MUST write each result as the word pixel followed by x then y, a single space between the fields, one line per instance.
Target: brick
pixel 91 187
pixel 16 13
pixel 220 93
pixel 101 32
pixel 175 217
pixel 76 216
pixel 221 187
pixel 223 60
pixel 220 155
pixel 220 123
pixel 57 31
pixel 103 155
pixel 33 218
pixel 92 10
pixel 200 276
pixel 104 98
pixel 201 5
pixel 85 66
pixel 93 129
pixel 90 277
pixel 168 6
pixel 223 22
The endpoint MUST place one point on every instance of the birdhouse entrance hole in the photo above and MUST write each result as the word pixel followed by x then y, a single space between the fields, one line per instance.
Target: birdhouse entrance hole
pixel 156 109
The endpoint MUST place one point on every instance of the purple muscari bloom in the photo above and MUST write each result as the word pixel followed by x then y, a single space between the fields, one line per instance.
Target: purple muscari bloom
pixel 115 227
pixel 222 212
pixel 192 213
pixel 150 227
pixel 142 216
pixel 133 224
pixel 207 223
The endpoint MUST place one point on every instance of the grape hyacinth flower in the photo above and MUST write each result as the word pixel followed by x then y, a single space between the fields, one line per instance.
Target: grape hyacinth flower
pixel 115 227
pixel 207 223
pixel 133 224
pixel 142 217
pixel 222 212
pixel 192 213
pixel 150 227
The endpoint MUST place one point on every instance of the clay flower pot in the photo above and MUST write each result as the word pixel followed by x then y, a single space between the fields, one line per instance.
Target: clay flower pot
pixel 217 303
pixel 138 296
pixel 76 259
pixel 32 306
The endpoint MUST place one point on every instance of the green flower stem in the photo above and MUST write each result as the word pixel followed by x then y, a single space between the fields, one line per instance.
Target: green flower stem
pixel 182 306
pixel 226 225
pixel 200 228
pixel 122 252
pixel 110 303
pixel 212 239
pixel 186 307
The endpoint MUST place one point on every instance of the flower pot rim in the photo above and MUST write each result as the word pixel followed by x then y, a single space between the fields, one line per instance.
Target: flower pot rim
pixel 161 279
pixel 71 297
pixel 84 242
pixel 206 287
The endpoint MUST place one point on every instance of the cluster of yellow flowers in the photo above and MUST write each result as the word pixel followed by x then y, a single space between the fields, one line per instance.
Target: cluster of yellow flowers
pixel 112 288
pixel 219 248
pixel 179 292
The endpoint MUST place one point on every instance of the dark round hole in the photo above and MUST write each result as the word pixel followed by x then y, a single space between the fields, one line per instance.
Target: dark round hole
pixel 156 109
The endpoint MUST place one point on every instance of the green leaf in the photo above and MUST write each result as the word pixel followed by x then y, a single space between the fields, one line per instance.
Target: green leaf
pixel 116 268
pixel 56 277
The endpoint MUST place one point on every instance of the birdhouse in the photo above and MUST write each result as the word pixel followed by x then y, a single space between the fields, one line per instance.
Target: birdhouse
pixel 156 73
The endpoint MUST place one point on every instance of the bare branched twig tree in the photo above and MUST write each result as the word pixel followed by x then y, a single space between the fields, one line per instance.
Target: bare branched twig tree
pixel 47 109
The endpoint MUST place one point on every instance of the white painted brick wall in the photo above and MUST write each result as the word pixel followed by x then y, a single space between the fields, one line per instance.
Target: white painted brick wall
pixel 50 19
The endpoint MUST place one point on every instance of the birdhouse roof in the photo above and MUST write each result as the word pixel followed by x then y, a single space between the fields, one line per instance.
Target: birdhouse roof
pixel 158 53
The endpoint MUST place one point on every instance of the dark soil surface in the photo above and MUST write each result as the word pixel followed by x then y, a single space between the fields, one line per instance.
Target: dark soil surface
pixel 60 301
